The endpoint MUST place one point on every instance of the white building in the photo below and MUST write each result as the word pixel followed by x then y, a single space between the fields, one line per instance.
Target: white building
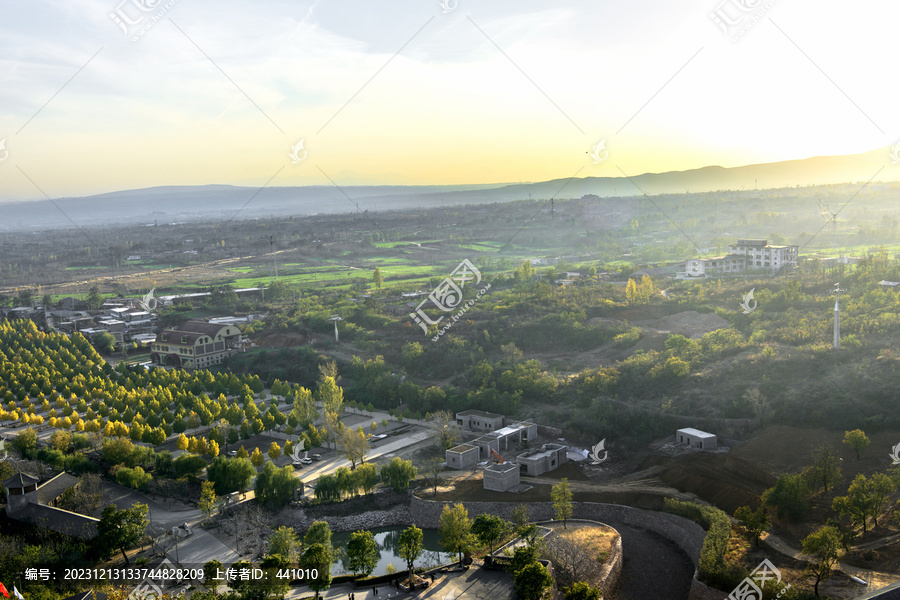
pixel 744 255
pixel 696 438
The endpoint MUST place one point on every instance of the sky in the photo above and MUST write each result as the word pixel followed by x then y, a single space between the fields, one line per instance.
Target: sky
pixel 98 96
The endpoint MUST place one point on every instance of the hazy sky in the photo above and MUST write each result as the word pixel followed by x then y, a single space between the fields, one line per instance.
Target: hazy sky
pixel 404 92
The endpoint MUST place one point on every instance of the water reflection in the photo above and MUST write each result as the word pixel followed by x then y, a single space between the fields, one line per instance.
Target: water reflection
pixel 387 540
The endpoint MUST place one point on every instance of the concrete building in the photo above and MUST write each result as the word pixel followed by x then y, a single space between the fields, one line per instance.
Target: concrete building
pixel 696 438
pixel 195 345
pixel 485 444
pixel 539 461
pixel 744 255
pixel 463 456
pixel 501 477
pixel 479 420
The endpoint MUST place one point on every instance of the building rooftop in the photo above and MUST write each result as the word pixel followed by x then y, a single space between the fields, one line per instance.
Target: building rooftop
pixel 501 467
pixel 53 489
pixel 462 448
pixel 19 480
pixel 696 432
pixel 478 413
pixel 59 520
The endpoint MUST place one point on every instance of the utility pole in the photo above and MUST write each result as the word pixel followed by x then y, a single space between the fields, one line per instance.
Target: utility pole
pixel 837 316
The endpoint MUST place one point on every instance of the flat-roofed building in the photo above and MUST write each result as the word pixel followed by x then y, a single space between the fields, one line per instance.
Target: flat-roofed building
pixel 464 456
pixel 539 461
pixel 501 477
pixel 696 438
pixel 479 420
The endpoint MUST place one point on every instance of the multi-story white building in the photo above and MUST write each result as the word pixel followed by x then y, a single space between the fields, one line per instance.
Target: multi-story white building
pixel 744 255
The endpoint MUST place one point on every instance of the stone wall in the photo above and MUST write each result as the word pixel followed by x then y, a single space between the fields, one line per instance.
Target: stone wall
pixel 686 534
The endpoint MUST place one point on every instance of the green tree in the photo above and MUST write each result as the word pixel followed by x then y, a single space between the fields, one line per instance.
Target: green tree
pixel 865 498
pixel 857 440
pixel 320 558
pixel 94 299
pixel 561 496
pixel 455 529
pixel 532 581
pixel 319 533
pixel 789 497
pixel 328 489
pixel 117 451
pixel 121 528
pixel 230 474
pixel 377 278
pixel 275 487
pixel 105 342
pixel 754 521
pixel 398 473
pixel 366 477
pixel 581 591
pixel 257 458
pixel 213 572
pixel 446 429
pixel 489 529
pixel 362 553
pixel 824 547
pixel 25 440
pixel 826 467
pixel 409 547
pixel 189 465
pixel 285 542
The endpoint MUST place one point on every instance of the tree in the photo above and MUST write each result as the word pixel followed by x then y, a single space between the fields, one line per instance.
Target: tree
pixel 826 468
pixel 789 496
pixel 274 450
pixel 377 278
pixel 446 429
pixel 212 449
pixel 581 590
pixel 25 440
pixel 758 401
pixel 434 467
pixel 117 451
pixel 532 581
pixel 181 442
pixel 631 291
pixel 823 546
pixel 230 474
pixel 318 557
pixel 362 553
pixel 327 488
pixel 272 586
pixel 754 521
pixel 489 529
pixel 366 477
pixel 94 299
pixel 319 533
pixel 105 342
pixel 275 487
pixel 285 542
pixel 865 498
pixel 121 528
pixel 213 571
pixel 188 465
pixel 857 440
pixel 409 547
pixel 61 440
pixel 355 445
pixel 208 498
pixel 456 530
pixel 519 517
pixel 561 496
pixel 398 473
pixel 257 458
pixel 242 453
pixel 331 395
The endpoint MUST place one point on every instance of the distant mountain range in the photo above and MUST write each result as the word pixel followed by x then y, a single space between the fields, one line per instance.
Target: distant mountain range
pixel 169 204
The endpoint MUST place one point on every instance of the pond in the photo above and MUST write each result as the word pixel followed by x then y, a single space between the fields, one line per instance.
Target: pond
pixel 387 538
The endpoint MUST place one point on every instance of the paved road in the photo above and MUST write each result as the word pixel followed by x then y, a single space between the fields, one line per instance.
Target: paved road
pixel 875 579
pixel 473 584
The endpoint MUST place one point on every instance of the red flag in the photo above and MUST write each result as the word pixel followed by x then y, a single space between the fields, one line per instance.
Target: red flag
pixel 3 590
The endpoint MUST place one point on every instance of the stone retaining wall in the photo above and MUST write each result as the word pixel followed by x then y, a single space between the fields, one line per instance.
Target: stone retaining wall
pixel 687 535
